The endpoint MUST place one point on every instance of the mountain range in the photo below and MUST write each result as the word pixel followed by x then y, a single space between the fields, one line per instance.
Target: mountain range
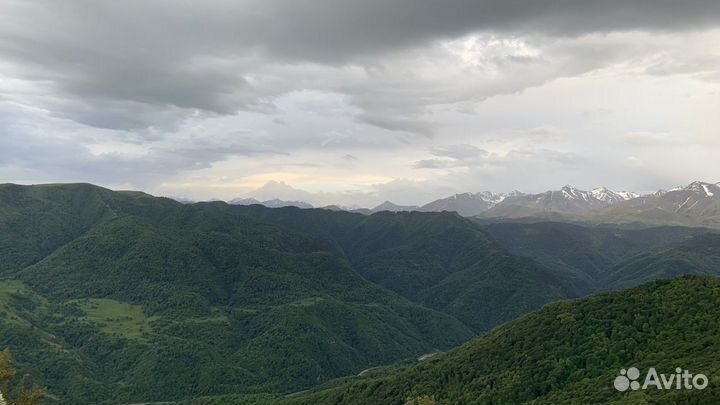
pixel 110 296
pixel 697 204
pixel 566 200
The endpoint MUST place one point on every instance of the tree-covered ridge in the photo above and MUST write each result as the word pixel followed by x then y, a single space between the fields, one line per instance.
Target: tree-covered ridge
pixel 439 260
pixel 697 255
pixel 153 300
pixel 567 353
pixel 124 297
pixel 592 255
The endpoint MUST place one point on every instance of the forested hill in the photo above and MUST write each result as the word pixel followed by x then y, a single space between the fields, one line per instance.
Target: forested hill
pixel 110 296
pixel 567 353
pixel 123 297
pixel 439 260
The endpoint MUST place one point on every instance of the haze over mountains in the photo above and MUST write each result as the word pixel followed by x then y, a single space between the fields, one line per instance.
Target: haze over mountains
pixel 697 204
pixel 274 203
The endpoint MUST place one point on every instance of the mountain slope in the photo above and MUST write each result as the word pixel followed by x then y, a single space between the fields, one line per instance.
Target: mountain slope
pixel 698 255
pixel 36 220
pixel 697 204
pixel 567 200
pixel 440 260
pixel 155 300
pixel 445 262
pixel 274 203
pixel 125 296
pixel 588 253
pixel 567 353
pixel 466 204
pixel 392 207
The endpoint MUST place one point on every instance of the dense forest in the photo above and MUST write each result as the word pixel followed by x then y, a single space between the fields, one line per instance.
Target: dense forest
pixel 567 353
pixel 119 297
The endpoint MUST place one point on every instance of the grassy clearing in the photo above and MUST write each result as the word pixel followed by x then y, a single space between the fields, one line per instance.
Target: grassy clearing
pixel 117 318
pixel 11 293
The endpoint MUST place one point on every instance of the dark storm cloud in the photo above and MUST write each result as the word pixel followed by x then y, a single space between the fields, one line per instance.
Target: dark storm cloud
pixel 140 91
pixel 338 30
pixel 134 64
pixel 332 30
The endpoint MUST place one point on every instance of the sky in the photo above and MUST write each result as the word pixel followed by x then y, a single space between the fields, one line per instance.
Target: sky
pixel 355 102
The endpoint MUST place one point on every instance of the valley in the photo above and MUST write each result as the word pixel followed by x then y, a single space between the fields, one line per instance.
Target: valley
pixel 141 299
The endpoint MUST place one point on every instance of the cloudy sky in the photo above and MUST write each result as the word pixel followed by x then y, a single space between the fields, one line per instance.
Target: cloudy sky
pixel 359 101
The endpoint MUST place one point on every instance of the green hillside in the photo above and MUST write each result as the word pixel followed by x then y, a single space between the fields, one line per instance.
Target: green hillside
pixel 697 255
pixel 439 260
pixel 568 353
pixel 605 258
pixel 123 297
pixel 151 300
pixel 589 254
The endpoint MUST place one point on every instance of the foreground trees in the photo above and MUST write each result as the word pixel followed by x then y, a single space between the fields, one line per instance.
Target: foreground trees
pixel 21 393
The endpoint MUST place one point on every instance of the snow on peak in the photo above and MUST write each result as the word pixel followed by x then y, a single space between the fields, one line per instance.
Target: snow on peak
pixel 573 193
pixel 700 187
pixel 628 195
pixel 607 195
pixel 489 197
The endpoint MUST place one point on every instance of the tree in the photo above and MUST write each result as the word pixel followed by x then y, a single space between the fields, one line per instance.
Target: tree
pixel 23 394
pixel 423 400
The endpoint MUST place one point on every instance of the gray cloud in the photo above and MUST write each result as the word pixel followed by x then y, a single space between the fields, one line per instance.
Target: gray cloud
pixel 394 123
pixel 459 152
pixel 193 84
pixel 461 155
pixel 36 157
pixel 434 164
pixel 134 64
pixel 328 30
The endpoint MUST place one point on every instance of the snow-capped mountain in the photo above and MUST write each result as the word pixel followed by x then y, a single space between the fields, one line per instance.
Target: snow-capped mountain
pixel 700 188
pixel 607 195
pixel 468 204
pixel 568 199
pixel 696 199
pixel 697 204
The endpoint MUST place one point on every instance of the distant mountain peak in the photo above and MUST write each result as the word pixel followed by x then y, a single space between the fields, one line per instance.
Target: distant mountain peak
pixel 700 187
pixel 243 201
pixel 573 193
pixel 392 207
pixel 568 199
pixel 709 189
pixel 607 195
pixel 466 204
pixel 273 203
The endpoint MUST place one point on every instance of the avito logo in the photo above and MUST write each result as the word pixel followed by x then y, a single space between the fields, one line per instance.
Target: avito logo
pixel 681 379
